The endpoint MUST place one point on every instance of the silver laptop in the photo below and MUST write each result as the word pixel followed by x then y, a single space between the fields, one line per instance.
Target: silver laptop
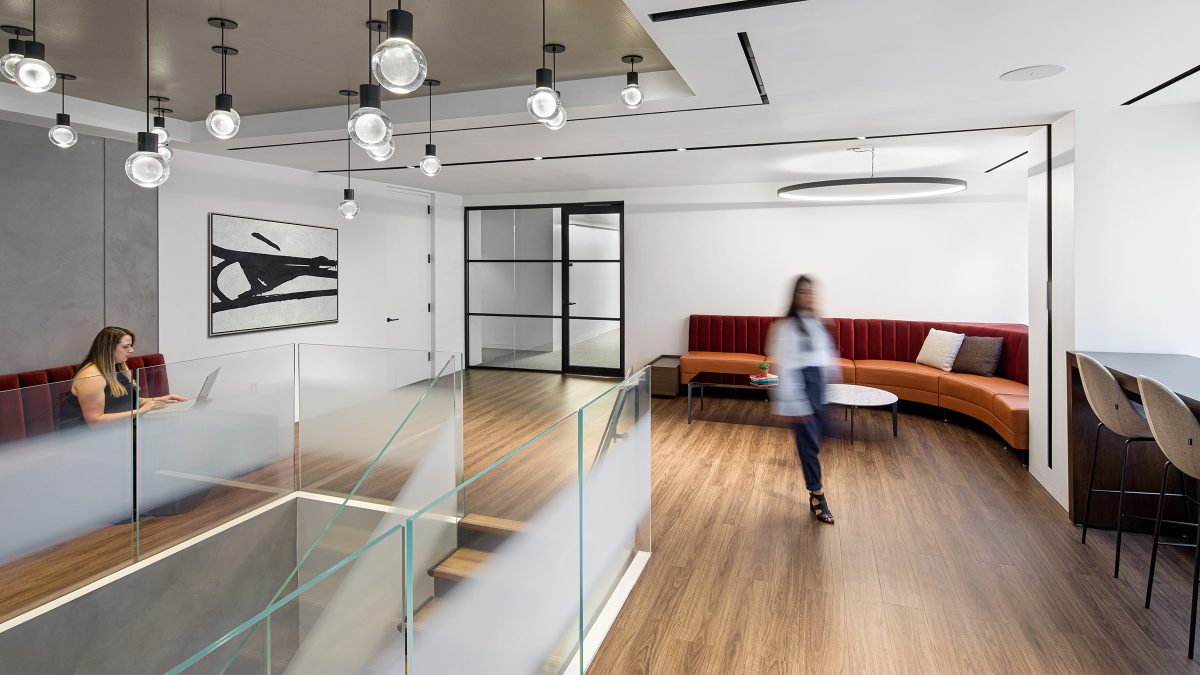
pixel 200 399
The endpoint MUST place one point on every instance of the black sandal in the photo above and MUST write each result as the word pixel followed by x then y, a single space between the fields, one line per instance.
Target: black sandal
pixel 820 509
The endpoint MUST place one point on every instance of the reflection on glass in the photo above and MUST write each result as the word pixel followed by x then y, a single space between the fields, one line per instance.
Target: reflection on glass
pixel 596 344
pixel 516 342
pixel 595 236
pixel 513 234
pixel 516 288
pixel 596 290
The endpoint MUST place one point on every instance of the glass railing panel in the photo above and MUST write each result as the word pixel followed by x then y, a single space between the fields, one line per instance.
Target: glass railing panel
pixel 516 547
pixel 352 402
pixel 66 489
pixel 615 433
pixel 347 619
pixel 226 450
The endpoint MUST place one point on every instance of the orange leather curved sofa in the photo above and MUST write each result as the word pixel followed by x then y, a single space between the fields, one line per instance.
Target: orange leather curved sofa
pixel 880 353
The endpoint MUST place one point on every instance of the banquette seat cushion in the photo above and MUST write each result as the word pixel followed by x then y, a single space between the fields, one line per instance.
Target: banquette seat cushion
pixel 30 401
pixel 880 353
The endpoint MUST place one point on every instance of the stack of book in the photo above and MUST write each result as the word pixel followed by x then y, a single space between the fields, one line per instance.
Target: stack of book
pixel 764 379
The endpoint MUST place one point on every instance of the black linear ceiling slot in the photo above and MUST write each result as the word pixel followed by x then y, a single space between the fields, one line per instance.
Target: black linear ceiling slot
pixel 719 8
pixel 1007 161
pixel 753 63
pixel 1162 86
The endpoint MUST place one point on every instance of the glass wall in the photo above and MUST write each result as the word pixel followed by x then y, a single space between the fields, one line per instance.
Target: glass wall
pixel 541 296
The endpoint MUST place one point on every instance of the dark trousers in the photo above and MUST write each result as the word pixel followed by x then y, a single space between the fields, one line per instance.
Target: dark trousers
pixel 808 435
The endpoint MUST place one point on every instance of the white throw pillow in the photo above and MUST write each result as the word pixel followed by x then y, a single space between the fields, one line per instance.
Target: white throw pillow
pixel 940 349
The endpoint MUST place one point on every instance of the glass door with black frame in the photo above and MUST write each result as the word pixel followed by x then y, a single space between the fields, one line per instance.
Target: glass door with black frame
pixel 593 304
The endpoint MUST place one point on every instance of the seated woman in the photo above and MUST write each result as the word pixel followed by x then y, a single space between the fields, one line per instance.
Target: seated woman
pixel 102 390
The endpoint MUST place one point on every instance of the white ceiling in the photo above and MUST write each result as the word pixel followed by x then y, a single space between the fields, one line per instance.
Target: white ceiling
pixel 834 69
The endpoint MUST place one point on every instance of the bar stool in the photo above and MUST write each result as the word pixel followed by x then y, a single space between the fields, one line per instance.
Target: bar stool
pixel 1178 435
pixel 1119 415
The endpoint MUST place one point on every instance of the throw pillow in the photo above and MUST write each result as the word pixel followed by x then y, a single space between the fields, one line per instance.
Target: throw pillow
pixel 940 349
pixel 979 355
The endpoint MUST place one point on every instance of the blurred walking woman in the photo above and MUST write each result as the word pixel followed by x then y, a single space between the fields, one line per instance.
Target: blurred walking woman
pixel 801 349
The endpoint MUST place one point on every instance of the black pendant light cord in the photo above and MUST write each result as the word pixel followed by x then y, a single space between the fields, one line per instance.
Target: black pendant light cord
pixel 223 56
pixel 64 94
pixel 34 29
pixel 148 66
pixel 347 145
pixel 431 114
pixel 370 17
pixel 543 33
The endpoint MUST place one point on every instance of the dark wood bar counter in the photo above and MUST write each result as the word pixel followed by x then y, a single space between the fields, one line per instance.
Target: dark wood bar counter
pixel 1181 374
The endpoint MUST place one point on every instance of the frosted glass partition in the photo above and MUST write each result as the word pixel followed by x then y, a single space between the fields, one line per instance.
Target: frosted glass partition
pixel 615 438
pixel 226 450
pixel 66 489
pixel 518 547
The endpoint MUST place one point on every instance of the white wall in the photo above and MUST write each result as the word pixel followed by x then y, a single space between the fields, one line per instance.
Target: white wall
pixel 1137 229
pixel 1047 392
pixel 383 270
pixel 734 249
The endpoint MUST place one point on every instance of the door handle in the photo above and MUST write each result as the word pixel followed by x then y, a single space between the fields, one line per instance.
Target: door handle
pixel 570 303
pixel 390 319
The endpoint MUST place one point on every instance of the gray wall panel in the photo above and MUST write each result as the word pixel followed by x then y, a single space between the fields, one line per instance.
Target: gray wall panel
pixel 130 251
pixel 78 248
pixel 52 252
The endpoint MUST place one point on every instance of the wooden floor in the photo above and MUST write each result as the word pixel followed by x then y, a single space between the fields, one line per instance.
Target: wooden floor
pixel 947 556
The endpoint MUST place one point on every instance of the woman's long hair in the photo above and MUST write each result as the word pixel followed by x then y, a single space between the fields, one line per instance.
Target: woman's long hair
pixel 101 355
pixel 794 307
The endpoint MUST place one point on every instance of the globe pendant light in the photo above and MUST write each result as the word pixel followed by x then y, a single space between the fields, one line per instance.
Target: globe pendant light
pixel 631 95
pixel 872 188
pixel 146 168
pixel 223 122
pixel 349 207
pixel 382 153
pixel 430 164
pixel 160 129
pixel 62 134
pixel 32 73
pixel 369 127
pixel 398 63
pixel 542 103
pixel 16 51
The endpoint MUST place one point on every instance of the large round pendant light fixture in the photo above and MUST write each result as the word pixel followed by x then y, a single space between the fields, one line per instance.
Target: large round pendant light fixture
pixel 631 95
pixel 62 133
pixel 430 164
pixel 398 63
pixel 543 103
pixel 872 188
pixel 223 122
pixel 31 72
pixel 369 127
pixel 16 51
pixel 146 168
pixel 349 206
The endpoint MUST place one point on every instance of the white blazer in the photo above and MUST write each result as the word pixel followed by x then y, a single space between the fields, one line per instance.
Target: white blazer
pixel 790 351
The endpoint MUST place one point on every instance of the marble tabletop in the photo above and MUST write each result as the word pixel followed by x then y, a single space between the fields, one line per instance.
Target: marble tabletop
pixel 856 394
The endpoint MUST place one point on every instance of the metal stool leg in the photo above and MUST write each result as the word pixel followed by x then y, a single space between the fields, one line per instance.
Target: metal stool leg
pixel 1087 505
pixel 1187 502
pixel 1121 511
pixel 1157 528
pixel 1192 625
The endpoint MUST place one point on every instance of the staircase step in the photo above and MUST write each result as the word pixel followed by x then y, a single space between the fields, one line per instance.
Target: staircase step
pixel 460 565
pixel 490 524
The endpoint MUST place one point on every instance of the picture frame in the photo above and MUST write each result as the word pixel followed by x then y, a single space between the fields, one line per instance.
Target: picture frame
pixel 269 274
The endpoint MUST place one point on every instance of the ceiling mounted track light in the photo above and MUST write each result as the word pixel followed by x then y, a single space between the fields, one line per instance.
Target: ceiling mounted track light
pixel 398 63
pixel 631 95
pixel 223 122
pixel 16 51
pixel 31 72
pixel 872 189
pixel 349 206
pixel 146 168
pixel 62 133
pixel 430 164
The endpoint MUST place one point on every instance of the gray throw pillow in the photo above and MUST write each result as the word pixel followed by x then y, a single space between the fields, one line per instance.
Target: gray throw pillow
pixel 979 355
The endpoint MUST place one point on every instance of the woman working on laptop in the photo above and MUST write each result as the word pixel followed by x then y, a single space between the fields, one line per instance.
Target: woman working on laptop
pixel 102 390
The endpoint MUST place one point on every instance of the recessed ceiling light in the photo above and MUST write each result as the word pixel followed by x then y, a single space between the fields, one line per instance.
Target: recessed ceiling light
pixel 537 158
pixel 1032 73
pixel 861 138
pixel 681 149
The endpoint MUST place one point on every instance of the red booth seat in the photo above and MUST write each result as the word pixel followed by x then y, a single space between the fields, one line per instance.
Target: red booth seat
pixel 881 353
pixel 30 401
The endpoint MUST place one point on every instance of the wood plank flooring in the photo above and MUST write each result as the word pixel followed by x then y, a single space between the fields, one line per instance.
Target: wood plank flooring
pixel 947 556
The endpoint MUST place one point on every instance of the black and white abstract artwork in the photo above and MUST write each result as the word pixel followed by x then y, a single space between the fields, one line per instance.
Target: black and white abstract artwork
pixel 266 274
